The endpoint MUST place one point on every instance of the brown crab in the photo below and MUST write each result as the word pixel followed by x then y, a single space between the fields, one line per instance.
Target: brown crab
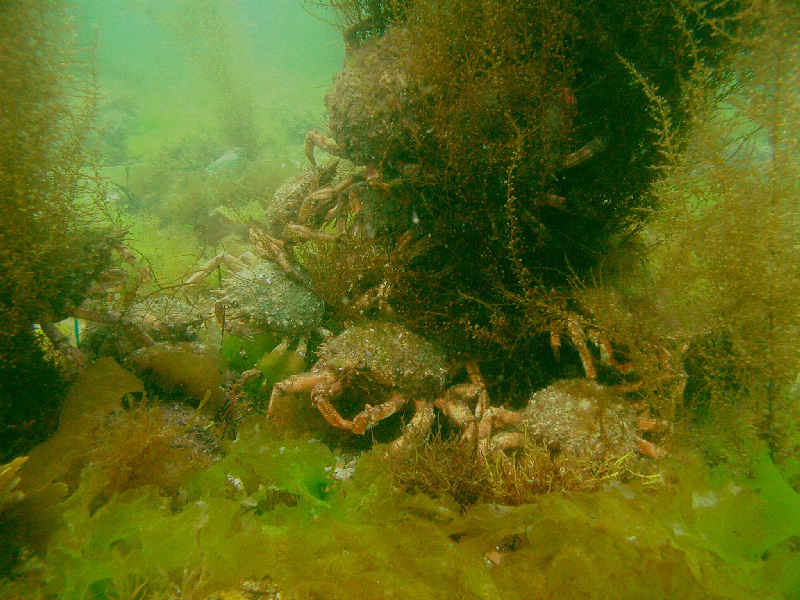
pixel 257 297
pixel 397 365
pixel 577 417
pixel 300 208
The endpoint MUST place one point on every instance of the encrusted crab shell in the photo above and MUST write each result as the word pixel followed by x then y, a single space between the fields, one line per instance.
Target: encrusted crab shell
pixel 285 203
pixel 283 206
pixel 389 354
pixel 581 418
pixel 169 318
pixel 368 102
pixel 264 297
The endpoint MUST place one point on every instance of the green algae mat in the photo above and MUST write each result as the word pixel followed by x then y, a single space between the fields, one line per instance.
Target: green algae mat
pixel 268 509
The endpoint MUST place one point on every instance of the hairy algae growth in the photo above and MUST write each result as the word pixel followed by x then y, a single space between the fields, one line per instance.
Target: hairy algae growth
pixel 50 244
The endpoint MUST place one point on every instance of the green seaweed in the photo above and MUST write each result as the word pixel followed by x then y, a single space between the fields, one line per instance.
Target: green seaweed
pixel 338 547
pixel 278 364
pixel 270 508
pixel 259 457
pixel 724 522
pixel 242 353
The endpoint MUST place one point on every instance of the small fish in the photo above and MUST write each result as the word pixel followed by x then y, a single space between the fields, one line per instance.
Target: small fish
pixel 227 160
pixel 219 313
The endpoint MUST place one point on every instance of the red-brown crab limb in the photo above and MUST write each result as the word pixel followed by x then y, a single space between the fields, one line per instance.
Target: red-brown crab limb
pixel 321 199
pixel 650 424
pixel 497 417
pixel 236 264
pixel 374 414
pixel 455 404
pixel 475 428
pixel 323 387
pixel 505 440
pixel 580 339
pixel 296 232
pixel 456 401
pixel 417 429
pixel 314 139
pixel 607 352
pixel 649 449
pixel 479 385
pixel 273 249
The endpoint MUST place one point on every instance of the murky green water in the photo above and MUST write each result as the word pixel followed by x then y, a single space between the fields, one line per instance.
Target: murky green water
pixel 181 66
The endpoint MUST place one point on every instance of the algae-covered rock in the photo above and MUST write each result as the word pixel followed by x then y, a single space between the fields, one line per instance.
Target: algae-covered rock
pixel 189 369
pixel 97 393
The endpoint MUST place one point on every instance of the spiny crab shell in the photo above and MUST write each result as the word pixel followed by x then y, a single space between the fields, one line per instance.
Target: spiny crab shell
pixel 299 195
pixel 582 418
pixel 165 317
pixel 392 366
pixel 368 104
pixel 263 297
pixel 578 418
pixel 285 203
pixel 390 355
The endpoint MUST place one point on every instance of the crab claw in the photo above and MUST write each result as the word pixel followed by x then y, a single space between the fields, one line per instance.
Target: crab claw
pixel 316 139
pixel 649 449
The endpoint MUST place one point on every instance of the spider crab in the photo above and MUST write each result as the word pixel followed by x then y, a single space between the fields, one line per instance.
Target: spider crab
pixel 580 417
pixel 258 296
pixel 577 417
pixel 395 363
pixel 300 208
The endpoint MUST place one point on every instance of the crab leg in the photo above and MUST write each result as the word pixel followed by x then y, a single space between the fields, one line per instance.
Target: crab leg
pixel 607 352
pixel 321 397
pixel 311 203
pixel 454 405
pixel 224 258
pixel 302 382
pixel 301 232
pixel 272 248
pixel 323 387
pixel 495 416
pixel 476 378
pixel 416 430
pixel 649 449
pixel 505 440
pixel 578 338
pixel 373 414
pixel 315 138
pixel 456 401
